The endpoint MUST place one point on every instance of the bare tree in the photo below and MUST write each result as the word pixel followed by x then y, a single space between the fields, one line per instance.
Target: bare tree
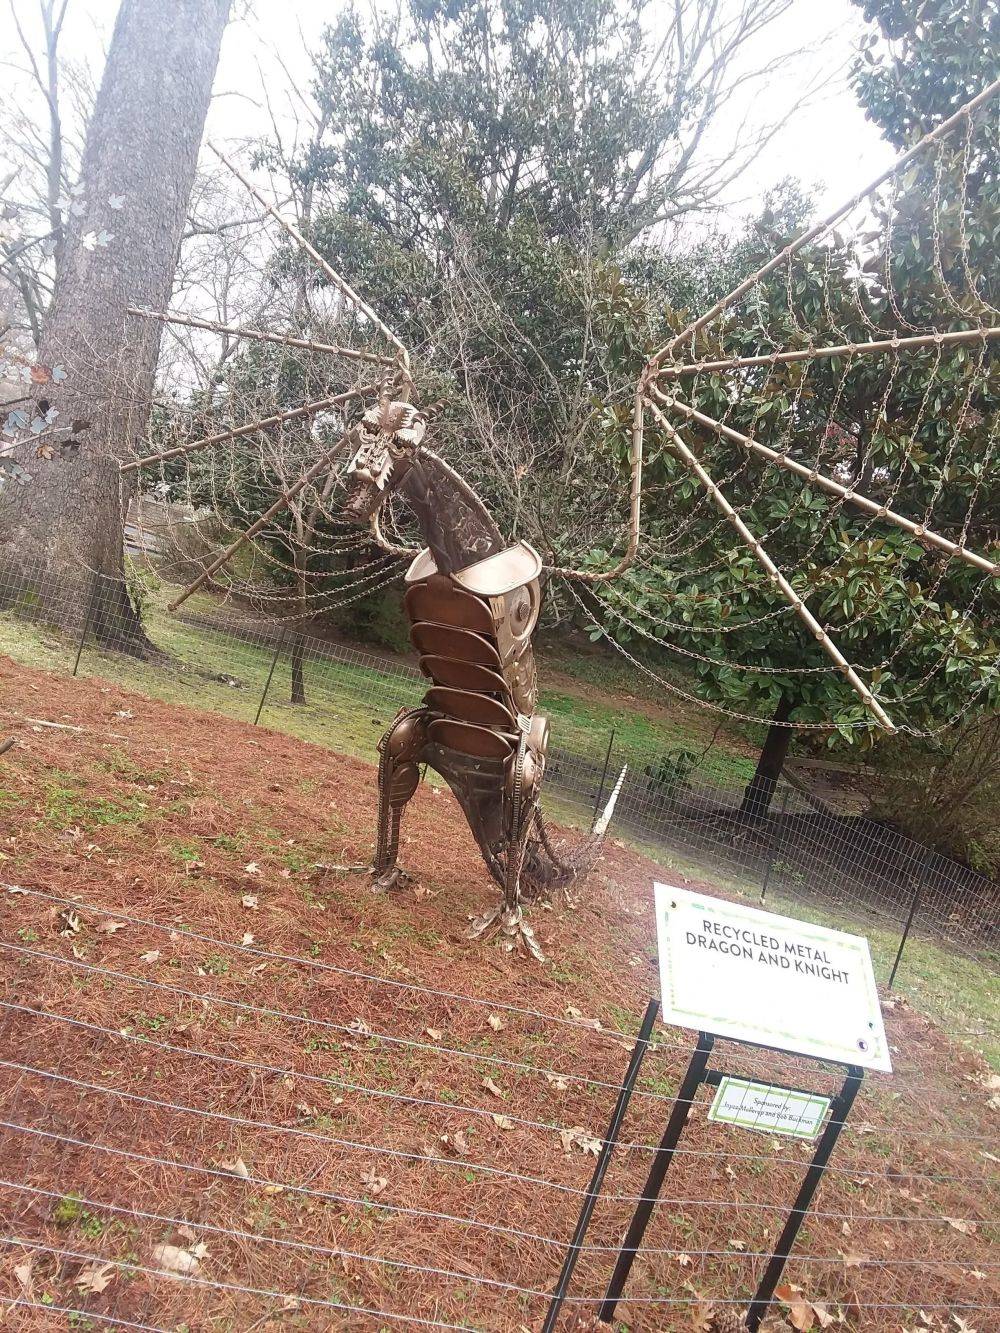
pixel 94 376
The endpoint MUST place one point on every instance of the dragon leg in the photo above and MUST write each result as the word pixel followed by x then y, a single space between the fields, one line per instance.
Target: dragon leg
pixel 400 751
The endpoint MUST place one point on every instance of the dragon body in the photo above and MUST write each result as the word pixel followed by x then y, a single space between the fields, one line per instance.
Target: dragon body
pixel 473 604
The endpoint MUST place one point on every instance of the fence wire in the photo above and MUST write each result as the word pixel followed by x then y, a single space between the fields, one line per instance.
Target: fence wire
pixel 367 1151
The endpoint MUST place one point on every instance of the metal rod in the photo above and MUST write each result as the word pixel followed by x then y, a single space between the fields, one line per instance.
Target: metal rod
pixel 654 1181
pixel 776 576
pixel 726 301
pixel 832 487
pixel 771 848
pixel 284 499
pixel 839 1110
pixel 846 349
pixel 604 777
pixel 342 286
pixel 259 335
pixel 601 1167
pixel 914 905
pixel 270 675
pixel 94 594
pixel 634 507
pixel 264 423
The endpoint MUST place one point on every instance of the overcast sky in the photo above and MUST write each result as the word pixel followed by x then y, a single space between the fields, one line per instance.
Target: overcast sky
pixel 828 146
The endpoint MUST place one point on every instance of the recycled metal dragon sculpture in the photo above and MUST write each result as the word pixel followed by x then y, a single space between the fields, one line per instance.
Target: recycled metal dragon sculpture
pixel 473 603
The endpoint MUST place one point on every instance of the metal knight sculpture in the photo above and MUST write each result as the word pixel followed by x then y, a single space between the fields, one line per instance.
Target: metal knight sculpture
pixel 473 603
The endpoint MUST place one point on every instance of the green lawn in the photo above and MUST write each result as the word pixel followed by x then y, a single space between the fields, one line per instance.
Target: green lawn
pixel 349 704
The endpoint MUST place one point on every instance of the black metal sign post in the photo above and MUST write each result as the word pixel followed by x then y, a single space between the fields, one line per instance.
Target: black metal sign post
pixel 603 1162
pixel 839 1109
pixel 698 1073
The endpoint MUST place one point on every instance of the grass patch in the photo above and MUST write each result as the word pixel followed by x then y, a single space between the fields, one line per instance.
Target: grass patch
pixel 67 805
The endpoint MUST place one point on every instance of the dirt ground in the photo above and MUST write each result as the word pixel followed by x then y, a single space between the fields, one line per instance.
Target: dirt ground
pixel 210 1044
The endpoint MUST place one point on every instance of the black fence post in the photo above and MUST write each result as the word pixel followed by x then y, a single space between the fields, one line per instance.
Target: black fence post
pixel 92 607
pixel 914 904
pixel 654 1181
pixel 270 675
pixel 604 777
pixel 771 846
pixel 839 1111
pixel 603 1162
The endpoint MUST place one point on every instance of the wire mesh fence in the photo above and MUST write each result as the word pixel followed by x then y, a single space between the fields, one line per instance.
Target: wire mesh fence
pixel 196 1132
pixel 201 1128
pixel 799 856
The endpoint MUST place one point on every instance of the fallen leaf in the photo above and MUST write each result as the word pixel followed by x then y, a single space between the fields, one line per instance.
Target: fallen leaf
pixel 434 1033
pixel 290 1303
pixel 175 1260
pixel 153 956
pixel 855 1260
pixel 800 1311
pixel 573 1012
pixel 684 1260
pixel 960 1224
pixel 373 1184
pixel 490 1086
pixel 71 923
pixel 495 1022
pixel 557 1081
pixel 22 1274
pixel 252 868
pixel 359 1025
pixel 456 1143
pixel 502 1121
pixel 248 939
pixel 111 927
pixel 273 1189
pixel 250 900
pixel 580 1138
pixel 238 1168
pixel 94 1278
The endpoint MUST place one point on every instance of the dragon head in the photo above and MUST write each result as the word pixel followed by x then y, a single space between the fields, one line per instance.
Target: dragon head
pixel 390 435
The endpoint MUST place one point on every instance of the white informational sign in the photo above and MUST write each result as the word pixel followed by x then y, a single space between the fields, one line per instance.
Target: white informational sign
pixel 738 972
pixel 740 1101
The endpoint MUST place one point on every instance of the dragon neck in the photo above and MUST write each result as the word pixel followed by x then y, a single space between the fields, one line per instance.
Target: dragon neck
pixel 455 523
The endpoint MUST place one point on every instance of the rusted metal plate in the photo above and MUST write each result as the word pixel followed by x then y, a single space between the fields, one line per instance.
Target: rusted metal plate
pixel 447 641
pixel 480 742
pixel 442 602
pixel 471 706
pixel 463 675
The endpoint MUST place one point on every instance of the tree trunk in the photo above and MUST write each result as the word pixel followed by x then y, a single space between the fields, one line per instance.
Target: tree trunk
pixel 298 670
pixel 65 522
pixel 761 787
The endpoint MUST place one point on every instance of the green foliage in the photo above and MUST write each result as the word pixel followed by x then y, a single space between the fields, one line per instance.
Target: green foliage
pixel 923 59
pixel 916 431
pixel 670 774
pixel 378 619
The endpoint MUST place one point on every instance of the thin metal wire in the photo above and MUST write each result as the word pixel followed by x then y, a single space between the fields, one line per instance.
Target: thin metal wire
pixel 308 1247
pixel 267 1293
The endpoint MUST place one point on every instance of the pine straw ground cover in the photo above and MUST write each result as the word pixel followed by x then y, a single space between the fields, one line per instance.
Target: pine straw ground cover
pixel 217 1116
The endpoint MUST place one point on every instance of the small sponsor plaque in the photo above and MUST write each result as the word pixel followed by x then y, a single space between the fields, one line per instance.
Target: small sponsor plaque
pixel 763 1106
pixel 736 971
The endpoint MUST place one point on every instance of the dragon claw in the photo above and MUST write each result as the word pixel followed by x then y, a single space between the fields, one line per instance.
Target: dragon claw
pixel 393 878
pixel 513 932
